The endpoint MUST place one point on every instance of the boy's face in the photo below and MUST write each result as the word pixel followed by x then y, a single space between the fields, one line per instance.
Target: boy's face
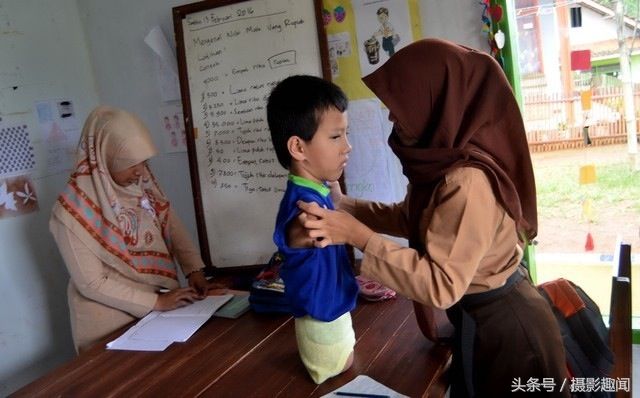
pixel 326 155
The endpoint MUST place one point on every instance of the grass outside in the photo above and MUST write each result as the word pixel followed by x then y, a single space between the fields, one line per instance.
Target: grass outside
pixel 607 209
pixel 564 220
pixel 616 186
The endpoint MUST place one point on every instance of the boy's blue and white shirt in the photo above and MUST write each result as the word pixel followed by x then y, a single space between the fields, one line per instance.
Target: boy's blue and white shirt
pixel 318 282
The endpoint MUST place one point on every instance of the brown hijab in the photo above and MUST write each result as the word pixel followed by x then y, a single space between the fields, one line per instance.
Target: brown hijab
pixel 457 103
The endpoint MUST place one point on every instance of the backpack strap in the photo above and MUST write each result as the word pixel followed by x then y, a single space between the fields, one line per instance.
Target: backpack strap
pixel 563 296
pixel 584 334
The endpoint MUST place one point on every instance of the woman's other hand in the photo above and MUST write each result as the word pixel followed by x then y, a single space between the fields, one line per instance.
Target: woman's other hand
pixel 176 298
pixel 216 289
pixel 198 282
pixel 330 227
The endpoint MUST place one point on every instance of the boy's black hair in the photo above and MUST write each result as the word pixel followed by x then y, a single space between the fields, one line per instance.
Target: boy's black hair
pixel 295 107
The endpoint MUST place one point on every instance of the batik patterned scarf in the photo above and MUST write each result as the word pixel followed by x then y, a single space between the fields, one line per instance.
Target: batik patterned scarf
pixel 126 227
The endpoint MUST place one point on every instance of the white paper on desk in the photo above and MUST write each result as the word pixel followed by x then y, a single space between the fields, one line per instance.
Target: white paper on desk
pixel 157 330
pixel 365 385
pixel 126 342
pixel 173 328
pixel 204 307
pixel 142 345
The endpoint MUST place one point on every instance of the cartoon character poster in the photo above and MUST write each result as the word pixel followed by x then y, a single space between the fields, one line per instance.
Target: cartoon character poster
pixel 382 27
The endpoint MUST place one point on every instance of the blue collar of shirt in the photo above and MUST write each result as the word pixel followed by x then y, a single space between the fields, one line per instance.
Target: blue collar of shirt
pixel 303 182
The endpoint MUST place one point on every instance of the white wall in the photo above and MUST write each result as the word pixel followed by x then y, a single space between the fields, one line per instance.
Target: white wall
pixel 595 27
pixel 92 51
pixel 125 77
pixel 455 20
pixel 551 46
pixel 43 55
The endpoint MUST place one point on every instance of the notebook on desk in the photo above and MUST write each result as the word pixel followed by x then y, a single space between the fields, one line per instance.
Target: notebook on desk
pixel 238 305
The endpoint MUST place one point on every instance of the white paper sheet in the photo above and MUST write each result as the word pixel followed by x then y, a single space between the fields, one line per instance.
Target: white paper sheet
pixel 166 64
pixel 372 172
pixel 60 131
pixel 157 330
pixel 365 385
pixel 173 132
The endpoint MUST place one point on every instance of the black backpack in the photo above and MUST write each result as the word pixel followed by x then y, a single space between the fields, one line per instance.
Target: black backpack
pixel 266 294
pixel 584 333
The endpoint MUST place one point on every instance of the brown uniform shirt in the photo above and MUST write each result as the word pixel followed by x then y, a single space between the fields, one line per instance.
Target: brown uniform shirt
pixel 102 299
pixel 471 242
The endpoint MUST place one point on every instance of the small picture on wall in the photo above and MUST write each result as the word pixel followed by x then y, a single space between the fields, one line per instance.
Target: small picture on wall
pixel 17 196
pixel 173 131
pixel 60 132
pixel 16 151
pixel 383 27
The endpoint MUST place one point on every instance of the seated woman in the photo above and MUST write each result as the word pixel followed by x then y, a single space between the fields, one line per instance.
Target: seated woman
pixel 117 232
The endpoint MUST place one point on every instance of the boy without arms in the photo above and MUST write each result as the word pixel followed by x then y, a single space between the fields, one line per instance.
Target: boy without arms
pixel 308 122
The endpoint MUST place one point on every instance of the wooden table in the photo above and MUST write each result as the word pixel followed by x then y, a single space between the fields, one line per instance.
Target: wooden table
pixel 255 356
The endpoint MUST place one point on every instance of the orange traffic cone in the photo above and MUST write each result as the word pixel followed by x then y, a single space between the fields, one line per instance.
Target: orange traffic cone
pixel 588 245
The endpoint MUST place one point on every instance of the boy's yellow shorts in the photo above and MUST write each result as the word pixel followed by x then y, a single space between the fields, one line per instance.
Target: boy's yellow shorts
pixel 324 347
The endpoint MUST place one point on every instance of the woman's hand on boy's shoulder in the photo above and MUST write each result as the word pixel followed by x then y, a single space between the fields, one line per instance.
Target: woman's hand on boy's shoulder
pixel 332 227
pixel 297 234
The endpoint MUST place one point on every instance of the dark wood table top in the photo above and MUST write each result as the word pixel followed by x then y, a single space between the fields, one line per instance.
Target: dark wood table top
pixel 255 356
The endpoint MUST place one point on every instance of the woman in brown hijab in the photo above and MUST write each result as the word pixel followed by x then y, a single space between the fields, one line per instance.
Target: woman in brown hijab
pixel 118 233
pixel 470 206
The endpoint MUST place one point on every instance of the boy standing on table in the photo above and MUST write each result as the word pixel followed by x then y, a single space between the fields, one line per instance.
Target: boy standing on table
pixel 308 122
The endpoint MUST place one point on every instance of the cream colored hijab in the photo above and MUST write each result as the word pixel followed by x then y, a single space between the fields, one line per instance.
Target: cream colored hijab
pixel 126 227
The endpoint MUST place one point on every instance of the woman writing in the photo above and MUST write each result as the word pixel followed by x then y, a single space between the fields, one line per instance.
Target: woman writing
pixel 117 232
pixel 471 201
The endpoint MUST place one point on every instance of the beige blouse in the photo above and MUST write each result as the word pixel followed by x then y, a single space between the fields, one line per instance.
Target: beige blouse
pixel 471 242
pixel 101 299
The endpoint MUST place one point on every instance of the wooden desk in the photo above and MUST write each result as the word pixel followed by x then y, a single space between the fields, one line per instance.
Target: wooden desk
pixel 255 356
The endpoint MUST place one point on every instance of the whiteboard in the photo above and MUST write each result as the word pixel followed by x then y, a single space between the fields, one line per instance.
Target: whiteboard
pixel 230 56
